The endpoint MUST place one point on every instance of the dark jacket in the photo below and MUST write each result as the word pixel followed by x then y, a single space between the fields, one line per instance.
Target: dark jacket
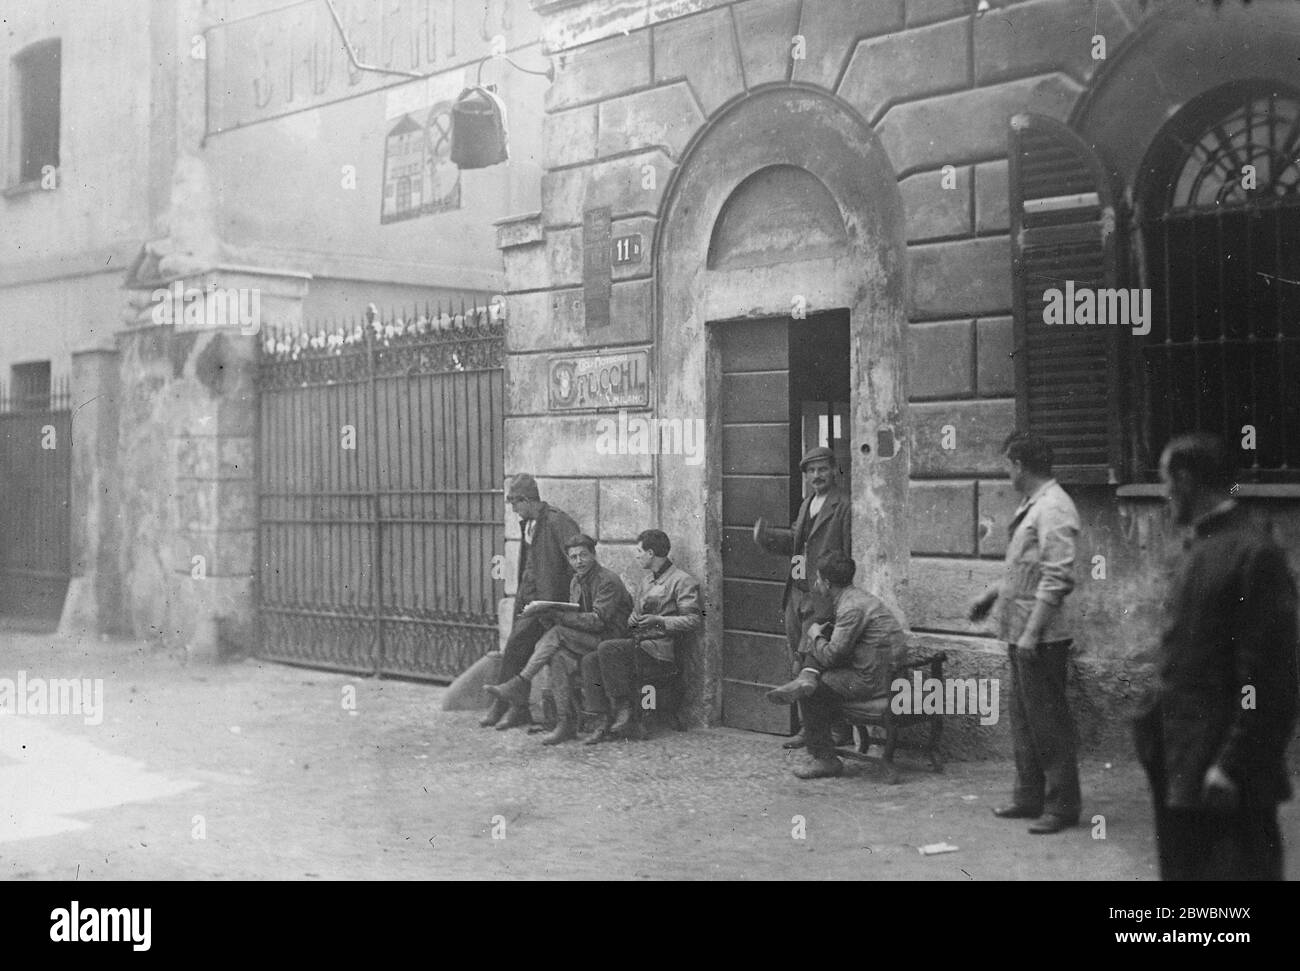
pixel 1231 624
pixel 832 529
pixel 867 638
pixel 544 571
pixel 605 602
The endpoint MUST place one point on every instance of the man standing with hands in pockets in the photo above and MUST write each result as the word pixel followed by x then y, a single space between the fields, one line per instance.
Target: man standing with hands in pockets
pixel 1038 574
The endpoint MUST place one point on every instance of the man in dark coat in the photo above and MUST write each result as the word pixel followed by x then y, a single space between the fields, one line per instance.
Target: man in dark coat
pixel 544 574
pixel 1212 733
pixel 824 523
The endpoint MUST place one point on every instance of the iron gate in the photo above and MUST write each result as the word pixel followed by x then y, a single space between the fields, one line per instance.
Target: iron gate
pixel 381 509
pixel 35 494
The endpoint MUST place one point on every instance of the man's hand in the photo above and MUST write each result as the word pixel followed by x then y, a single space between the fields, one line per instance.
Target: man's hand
pixel 816 630
pixel 650 622
pixel 1218 791
pixel 981 605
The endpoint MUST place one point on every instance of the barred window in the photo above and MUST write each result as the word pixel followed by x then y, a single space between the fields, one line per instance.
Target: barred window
pixel 1219 246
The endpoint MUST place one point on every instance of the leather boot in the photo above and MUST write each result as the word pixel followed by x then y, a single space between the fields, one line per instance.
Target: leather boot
pixel 565 729
pixel 499 708
pixel 516 716
pixel 516 691
pixel 600 730
pixel 622 715
pixel 826 768
pixel 801 687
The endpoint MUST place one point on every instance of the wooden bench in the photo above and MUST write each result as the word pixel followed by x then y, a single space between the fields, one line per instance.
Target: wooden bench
pixel 879 712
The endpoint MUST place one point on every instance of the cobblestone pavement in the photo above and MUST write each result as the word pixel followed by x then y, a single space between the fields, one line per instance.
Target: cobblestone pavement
pixel 283 781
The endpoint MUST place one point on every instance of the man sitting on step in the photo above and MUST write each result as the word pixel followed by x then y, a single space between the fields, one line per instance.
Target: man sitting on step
pixel 668 606
pixel 603 606
pixel 856 663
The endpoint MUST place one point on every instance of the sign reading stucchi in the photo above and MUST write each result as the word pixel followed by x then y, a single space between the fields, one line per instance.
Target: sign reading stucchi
pixel 291 59
pixel 588 381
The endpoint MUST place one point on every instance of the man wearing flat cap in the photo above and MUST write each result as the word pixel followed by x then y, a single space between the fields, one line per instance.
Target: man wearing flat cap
pixel 824 523
pixel 544 574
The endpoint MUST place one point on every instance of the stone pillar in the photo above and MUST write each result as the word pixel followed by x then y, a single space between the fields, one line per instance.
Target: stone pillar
pixel 188 454
pixel 93 602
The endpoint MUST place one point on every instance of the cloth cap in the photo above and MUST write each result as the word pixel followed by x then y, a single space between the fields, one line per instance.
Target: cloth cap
pixel 813 454
pixel 525 486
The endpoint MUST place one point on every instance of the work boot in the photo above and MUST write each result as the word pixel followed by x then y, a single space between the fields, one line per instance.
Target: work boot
pixel 499 708
pixel 622 715
pixel 565 729
pixel 516 716
pixel 600 732
pixel 515 691
pixel 821 769
pixel 790 692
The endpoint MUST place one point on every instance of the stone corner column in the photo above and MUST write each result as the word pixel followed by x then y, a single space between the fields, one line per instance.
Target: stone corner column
pixel 188 430
pixel 92 605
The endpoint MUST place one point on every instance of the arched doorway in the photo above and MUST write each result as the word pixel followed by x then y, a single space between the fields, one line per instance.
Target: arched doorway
pixel 783 229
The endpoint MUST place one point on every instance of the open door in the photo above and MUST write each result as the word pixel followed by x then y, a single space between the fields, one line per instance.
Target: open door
pixel 785 389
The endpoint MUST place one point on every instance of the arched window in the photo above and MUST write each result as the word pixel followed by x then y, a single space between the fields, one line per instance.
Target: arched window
pixel 1219 246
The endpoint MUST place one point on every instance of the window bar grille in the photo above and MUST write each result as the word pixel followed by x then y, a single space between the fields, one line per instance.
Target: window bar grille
pixel 1196 330
pixel 1281 343
pixel 1223 323
pixel 1169 333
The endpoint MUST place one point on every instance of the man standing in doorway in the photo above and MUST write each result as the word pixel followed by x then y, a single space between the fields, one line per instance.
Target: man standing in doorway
pixel 1212 733
pixel 544 574
pixel 824 523
pixel 1038 575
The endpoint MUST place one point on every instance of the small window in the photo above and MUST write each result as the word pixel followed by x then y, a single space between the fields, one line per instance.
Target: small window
pixel 37 93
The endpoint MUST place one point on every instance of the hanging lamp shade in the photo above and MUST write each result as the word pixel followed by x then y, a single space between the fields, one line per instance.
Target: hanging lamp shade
pixel 478 129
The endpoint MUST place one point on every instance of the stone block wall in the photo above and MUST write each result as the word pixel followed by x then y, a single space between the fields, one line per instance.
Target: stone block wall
pixel 638 84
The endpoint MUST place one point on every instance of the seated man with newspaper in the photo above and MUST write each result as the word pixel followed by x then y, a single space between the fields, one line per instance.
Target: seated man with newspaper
pixel 855 663
pixel 598 611
pixel 668 606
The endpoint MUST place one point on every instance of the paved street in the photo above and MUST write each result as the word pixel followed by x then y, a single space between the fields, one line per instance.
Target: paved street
pixel 283 782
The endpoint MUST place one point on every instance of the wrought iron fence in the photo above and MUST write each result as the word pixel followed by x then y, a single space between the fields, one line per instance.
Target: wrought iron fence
pixel 381 506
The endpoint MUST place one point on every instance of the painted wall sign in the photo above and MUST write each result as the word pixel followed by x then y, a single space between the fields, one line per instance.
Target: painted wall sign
pixel 287 60
pixel 597 272
pixel 584 381
pixel 419 177
pixel 627 249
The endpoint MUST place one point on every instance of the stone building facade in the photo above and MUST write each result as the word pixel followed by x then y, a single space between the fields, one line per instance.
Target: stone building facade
pixel 225 145
pixel 821 196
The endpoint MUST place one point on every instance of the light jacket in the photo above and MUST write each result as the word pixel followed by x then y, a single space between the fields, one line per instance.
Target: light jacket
pixel 675 596
pixel 1039 563
pixel 867 638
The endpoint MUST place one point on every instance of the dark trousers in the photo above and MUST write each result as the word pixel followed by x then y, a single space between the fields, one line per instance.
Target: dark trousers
pixel 1042 731
pixel 818 711
pixel 615 671
pixel 1193 844
pixel 565 667
pixel 524 635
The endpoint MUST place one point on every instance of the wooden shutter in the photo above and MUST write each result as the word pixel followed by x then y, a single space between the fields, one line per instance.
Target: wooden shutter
pixel 1063 229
